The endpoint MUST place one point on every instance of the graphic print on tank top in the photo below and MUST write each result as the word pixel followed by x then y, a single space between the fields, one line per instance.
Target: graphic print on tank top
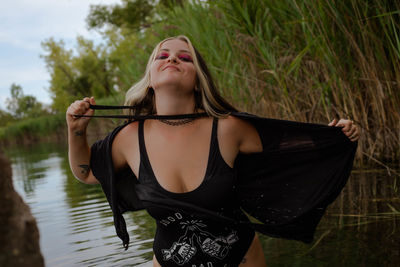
pixel 191 239
pixel 196 239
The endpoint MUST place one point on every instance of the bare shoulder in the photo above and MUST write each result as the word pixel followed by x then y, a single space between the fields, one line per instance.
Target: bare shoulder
pixel 244 133
pixel 234 125
pixel 124 143
pixel 128 130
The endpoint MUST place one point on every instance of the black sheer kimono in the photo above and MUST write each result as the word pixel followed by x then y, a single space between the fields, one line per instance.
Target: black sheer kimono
pixel 286 188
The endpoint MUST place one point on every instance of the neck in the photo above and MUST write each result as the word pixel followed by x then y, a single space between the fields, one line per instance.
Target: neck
pixel 172 103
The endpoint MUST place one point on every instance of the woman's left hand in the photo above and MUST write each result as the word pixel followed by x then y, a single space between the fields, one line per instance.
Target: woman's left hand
pixel 349 128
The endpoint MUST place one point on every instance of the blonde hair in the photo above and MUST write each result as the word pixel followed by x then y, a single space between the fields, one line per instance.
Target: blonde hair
pixel 207 97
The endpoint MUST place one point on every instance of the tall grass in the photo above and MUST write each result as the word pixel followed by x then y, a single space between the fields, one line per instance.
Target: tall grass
pixel 52 126
pixel 304 60
pixel 297 60
pixel 25 131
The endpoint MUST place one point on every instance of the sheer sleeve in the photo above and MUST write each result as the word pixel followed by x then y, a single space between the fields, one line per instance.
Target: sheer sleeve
pixel 302 169
pixel 286 187
pixel 119 188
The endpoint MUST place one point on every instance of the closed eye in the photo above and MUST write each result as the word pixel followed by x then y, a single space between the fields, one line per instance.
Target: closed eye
pixel 162 56
pixel 185 58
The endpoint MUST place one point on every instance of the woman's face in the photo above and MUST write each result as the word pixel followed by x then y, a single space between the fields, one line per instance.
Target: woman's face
pixel 173 66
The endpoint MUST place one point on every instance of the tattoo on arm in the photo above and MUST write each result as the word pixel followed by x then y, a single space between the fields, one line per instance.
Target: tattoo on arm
pixel 79 133
pixel 85 168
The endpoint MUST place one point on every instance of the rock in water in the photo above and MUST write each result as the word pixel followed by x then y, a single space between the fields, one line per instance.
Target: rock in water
pixel 19 234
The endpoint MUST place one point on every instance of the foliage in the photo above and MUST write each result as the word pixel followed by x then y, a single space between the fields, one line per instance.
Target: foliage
pixel 135 15
pixel 75 76
pixel 23 106
pixel 297 60
pixel 131 14
pixel 5 118
pixel 302 60
pixel 33 127
pixel 46 125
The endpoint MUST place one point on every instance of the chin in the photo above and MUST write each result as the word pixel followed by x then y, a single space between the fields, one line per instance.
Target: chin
pixel 175 88
pixel 173 84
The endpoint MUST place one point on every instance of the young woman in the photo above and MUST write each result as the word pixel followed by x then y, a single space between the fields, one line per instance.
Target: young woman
pixel 190 160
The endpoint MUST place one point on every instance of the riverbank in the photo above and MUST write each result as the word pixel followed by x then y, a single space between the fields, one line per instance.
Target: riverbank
pixel 53 128
pixel 19 234
pixel 33 130
pixel 49 129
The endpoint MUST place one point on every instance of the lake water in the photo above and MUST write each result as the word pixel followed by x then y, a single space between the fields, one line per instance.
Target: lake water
pixel 362 227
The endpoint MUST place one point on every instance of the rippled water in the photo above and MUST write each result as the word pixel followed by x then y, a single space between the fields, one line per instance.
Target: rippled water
pixel 76 225
pixel 74 219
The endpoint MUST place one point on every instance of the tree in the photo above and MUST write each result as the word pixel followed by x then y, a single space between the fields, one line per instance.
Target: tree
pixel 133 14
pixel 74 76
pixel 23 106
pixel 16 94
pixel 5 118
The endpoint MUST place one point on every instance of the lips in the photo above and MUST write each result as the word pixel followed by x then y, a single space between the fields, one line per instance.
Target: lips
pixel 170 66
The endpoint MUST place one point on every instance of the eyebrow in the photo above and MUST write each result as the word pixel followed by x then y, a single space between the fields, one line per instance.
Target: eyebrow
pixel 182 50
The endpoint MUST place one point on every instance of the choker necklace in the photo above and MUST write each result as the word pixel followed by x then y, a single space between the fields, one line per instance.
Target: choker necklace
pixel 177 122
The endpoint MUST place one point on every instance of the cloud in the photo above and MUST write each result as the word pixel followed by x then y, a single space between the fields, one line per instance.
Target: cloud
pixel 33 80
pixel 23 75
pixel 24 25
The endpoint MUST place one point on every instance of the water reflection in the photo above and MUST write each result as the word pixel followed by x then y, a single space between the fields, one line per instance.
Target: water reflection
pixel 33 167
pixel 359 229
pixel 76 224
pixel 74 219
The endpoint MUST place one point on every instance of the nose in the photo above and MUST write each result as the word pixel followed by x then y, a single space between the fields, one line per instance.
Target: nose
pixel 172 58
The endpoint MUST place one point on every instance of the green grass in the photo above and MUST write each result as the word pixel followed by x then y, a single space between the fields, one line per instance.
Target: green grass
pixel 298 60
pixel 42 127
pixel 33 127
pixel 304 60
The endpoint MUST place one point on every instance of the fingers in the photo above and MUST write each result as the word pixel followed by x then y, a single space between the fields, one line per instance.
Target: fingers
pixel 349 128
pixel 81 107
pixel 86 100
pixel 333 123
pixel 346 124
pixel 354 133
pixel 351 131
pixel 90 111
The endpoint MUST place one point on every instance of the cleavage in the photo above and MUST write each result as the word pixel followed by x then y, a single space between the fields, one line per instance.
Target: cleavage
pixel 179 159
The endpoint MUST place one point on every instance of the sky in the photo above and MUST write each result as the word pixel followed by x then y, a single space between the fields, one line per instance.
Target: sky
pixel 24 24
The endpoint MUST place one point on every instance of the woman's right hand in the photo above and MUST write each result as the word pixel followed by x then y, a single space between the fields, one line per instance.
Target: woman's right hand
pixel 79 107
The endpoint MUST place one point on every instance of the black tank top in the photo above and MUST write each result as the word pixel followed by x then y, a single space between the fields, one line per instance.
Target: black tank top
pixel 185 239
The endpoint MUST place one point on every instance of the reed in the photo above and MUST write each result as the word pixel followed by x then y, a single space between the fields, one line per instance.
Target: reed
pixel 297 60
pixel 25 131
pixel 304 60
pixel 51 127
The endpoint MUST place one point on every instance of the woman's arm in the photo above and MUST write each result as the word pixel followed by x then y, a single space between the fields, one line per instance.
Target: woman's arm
pixel 78 148
pixel 237 136
pixel 249 141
